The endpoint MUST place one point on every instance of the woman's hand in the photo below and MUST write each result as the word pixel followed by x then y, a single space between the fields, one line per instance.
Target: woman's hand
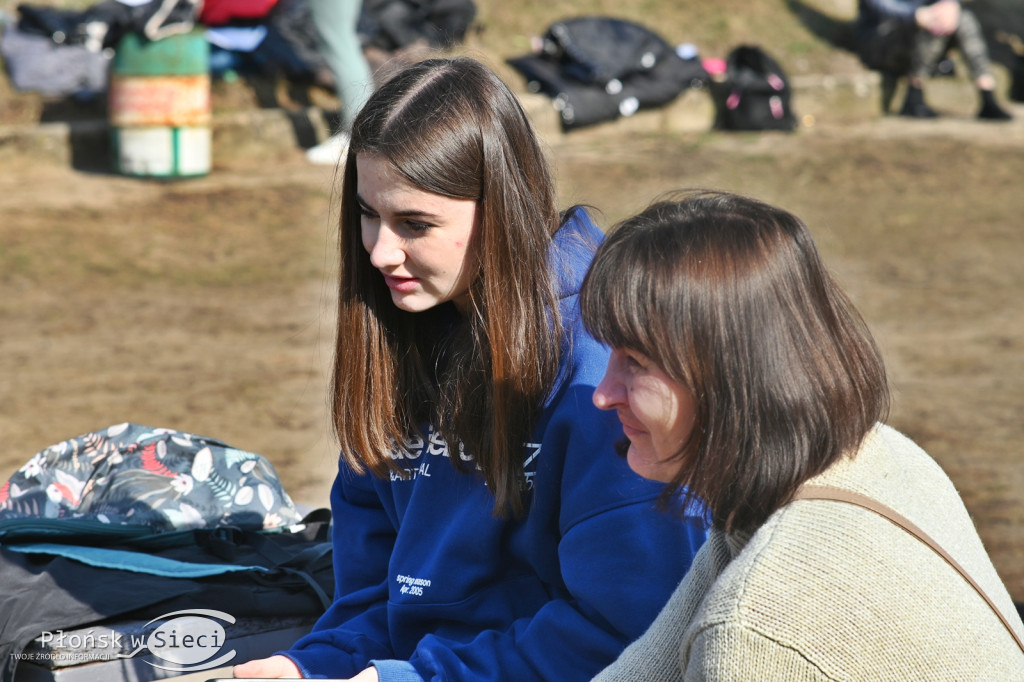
pixel 275 667
pixel 282 667
pixel 940 19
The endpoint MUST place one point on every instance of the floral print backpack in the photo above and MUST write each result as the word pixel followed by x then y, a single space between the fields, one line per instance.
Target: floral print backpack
pixel 129 480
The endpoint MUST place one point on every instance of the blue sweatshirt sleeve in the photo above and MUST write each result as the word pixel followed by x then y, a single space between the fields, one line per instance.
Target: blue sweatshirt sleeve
pixel 354 630
pixel 396 671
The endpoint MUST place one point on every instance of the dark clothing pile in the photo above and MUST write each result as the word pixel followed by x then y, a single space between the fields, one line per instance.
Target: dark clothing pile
pixel 102 25
pixel 597 69
pixel 66 52
pixel 47 41
pixel 391 25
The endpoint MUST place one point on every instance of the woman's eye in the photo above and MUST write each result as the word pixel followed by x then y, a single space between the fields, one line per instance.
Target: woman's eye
pixel 414 226
pixel 366 213
pixel 631 362
pixel 638 362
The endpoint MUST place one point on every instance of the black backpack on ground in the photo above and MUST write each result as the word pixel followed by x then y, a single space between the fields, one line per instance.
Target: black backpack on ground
pixel 755 95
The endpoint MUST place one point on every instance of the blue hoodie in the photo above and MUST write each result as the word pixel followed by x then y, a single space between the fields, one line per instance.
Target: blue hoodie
pixel 431 586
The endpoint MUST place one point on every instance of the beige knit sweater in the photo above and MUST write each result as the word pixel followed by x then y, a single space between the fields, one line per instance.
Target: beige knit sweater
pixel 829 591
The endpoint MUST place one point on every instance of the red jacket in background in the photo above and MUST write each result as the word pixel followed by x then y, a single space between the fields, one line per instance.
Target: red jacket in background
pixel 220 12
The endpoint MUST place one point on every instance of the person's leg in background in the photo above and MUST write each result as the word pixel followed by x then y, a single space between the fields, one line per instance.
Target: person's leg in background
pixel 924 55
pixel 971 41
pixel 335 22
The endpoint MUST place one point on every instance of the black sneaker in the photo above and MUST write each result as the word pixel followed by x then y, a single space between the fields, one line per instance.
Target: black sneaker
pixel 994 112
pixel 919 110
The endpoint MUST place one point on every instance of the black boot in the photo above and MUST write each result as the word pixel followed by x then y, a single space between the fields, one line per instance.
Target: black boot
pixel 990 110
pixel 914 106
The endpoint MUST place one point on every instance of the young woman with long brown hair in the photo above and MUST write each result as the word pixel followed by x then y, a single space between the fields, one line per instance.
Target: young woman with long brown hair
pixel 484 527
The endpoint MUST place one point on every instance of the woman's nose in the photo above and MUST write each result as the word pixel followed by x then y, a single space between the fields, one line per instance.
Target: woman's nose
pixel 609 393
pixel 383 245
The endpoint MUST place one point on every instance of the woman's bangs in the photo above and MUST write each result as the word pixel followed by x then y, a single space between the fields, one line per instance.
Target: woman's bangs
pixel 619 310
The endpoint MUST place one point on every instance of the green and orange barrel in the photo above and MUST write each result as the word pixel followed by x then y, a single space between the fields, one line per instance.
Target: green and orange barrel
pixel 159 106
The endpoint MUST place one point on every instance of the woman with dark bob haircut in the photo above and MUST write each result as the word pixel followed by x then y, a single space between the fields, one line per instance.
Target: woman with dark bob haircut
pixel 478 484
pixel 743 376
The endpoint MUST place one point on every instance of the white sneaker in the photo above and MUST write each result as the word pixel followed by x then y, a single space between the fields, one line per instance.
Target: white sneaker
pixel 330 151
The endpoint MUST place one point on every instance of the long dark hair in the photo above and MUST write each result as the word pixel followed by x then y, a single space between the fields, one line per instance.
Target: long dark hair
pixel 451 127
pixel 729 296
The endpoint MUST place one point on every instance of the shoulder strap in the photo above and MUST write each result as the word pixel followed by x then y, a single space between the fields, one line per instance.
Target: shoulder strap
pixel 821 492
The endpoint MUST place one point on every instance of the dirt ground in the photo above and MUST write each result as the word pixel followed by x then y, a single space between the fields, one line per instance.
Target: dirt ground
pixel 206 305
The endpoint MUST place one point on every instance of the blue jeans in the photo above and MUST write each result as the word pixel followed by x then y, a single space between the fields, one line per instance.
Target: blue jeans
pixel 335 22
